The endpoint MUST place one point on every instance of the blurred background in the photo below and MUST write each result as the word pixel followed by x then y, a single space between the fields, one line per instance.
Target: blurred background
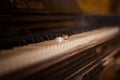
pixel 99 7
pixel 104 7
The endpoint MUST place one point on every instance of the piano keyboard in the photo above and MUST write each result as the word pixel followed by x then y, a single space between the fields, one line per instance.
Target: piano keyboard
pixel 46 52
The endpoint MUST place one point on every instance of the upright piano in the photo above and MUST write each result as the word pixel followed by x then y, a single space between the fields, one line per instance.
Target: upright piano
pixel 54 40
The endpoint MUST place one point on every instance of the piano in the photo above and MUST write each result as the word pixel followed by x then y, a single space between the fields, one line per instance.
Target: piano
pixel 54 40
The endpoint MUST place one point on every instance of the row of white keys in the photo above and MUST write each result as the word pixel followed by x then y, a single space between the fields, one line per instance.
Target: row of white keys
pixel 25 56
